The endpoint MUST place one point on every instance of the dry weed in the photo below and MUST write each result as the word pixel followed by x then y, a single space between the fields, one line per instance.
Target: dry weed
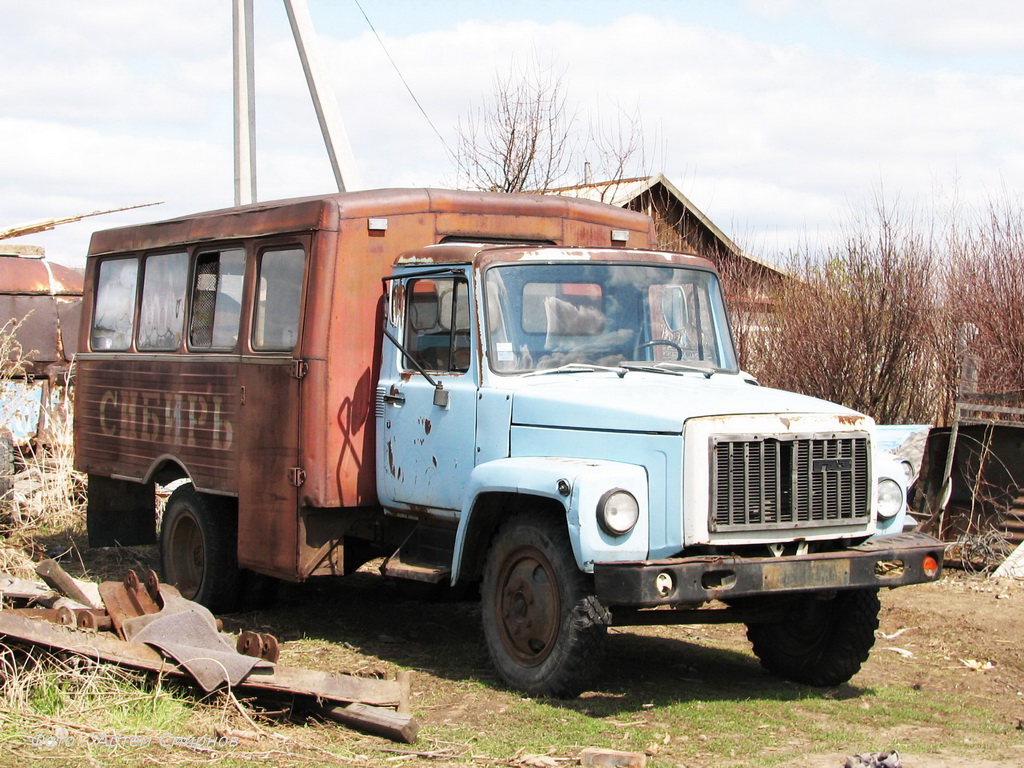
pixel 880 319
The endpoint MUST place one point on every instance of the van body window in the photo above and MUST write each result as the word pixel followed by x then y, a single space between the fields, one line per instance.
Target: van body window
pixel 217 299
pixel 162 313
pixel 278 300
pixel 437 324
pixel 114 315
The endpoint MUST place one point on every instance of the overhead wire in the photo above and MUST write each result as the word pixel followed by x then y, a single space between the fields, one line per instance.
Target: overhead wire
pixel 402 78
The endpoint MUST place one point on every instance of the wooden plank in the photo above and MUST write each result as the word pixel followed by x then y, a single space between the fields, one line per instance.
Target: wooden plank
pixel 404 679
pixel 380 722
pixel 981 408
pixel 19 589
pixel 57 578
pixel 326 685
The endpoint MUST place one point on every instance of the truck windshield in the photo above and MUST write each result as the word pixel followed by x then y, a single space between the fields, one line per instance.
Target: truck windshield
pixel 546 316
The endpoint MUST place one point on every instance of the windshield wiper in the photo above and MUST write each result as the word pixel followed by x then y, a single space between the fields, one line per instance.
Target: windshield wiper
pixel 668 366
pixel 577 368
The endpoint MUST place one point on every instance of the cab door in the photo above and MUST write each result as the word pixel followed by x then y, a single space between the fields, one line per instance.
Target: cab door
pixel 427 397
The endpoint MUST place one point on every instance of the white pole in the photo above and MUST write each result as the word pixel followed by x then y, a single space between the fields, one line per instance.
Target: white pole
pixel 333 129
pixel 245 104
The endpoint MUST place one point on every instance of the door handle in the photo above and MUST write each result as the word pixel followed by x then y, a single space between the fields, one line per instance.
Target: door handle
pixel 394 399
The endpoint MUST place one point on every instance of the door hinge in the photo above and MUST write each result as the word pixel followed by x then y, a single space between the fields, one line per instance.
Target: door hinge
pixel 299 369
pixel 297 476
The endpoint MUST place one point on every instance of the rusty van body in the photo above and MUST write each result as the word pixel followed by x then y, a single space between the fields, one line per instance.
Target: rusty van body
pixel 222 414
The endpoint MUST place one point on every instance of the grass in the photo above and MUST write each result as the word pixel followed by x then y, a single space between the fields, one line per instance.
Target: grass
pixel 760 729
pixel 52 705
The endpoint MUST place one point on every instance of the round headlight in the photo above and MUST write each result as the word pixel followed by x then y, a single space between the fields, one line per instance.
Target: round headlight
pixel 908 470
pixel 617 512
pixel 890 498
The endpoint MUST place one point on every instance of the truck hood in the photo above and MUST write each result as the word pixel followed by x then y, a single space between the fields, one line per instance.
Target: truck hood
pixel 646 402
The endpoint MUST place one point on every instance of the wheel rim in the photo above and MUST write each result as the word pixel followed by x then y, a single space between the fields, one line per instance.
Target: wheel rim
pixel 529 606
pixel 186 562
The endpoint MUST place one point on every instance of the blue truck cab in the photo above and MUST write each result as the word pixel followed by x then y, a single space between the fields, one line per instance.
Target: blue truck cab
pixel 578 419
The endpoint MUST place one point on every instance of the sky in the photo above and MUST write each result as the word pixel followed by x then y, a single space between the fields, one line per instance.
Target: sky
pixel 776 118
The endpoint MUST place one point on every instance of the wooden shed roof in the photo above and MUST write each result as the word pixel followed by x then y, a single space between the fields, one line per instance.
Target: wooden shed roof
pixel 625 192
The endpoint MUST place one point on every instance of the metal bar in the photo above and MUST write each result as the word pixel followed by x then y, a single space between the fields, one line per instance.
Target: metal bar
pixel 245 103
pixel 648 617
pixel 331 126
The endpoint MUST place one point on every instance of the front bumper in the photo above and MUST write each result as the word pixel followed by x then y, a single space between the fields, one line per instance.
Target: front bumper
pixel 885 561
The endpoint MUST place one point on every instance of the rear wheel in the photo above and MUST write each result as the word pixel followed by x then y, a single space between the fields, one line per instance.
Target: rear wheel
pixel 819 642
pixel 198 549
pixel 545 630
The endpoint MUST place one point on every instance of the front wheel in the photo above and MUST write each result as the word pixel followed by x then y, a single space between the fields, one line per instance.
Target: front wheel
pixel 545 629
pixel 819 642
pixel 198 549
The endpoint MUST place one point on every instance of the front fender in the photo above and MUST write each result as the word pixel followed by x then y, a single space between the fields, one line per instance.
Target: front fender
pixel 585 480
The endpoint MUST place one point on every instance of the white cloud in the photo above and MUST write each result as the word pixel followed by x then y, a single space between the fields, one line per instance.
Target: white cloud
pixel 937 26
pixel 129 102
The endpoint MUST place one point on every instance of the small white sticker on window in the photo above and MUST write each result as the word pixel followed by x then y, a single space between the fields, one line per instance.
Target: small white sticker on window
pixel 504 350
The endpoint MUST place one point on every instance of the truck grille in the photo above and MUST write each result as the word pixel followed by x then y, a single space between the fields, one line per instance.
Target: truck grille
pixel 788 482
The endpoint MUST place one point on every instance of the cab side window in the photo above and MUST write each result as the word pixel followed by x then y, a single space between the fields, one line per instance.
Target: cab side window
pixel 216 299
pixel 162 313
pixel 114 317
pixel 278 300
pixel 437 324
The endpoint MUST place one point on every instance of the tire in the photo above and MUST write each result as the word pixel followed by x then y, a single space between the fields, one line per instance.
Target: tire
pixel 198 549
pixel 820 642
pixel 544 628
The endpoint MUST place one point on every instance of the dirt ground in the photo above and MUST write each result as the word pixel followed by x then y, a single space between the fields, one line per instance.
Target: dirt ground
pixel 944 683
pixel 961 640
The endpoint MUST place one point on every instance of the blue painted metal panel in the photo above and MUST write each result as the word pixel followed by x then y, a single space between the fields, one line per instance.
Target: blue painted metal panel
pixel 588 481
pixel 889 437
pixel 661 455
pixel 646 402
pixel 21 404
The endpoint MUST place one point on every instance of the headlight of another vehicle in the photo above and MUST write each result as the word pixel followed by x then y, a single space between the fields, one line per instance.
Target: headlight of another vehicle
pixel 889 498
pixel 617 512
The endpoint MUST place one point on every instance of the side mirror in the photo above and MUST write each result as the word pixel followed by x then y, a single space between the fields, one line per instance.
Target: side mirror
pixel 440 395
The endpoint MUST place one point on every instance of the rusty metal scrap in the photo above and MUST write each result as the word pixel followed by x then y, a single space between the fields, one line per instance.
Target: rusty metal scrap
pixel 133 608
pixel 130 599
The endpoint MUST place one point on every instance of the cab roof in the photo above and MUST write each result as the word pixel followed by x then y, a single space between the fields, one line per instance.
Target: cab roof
pixel 485 254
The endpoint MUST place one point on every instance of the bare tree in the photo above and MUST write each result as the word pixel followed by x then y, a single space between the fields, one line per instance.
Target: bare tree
pixel 524 137
pixel 521 138
pixel 856 323
pixel 614 149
